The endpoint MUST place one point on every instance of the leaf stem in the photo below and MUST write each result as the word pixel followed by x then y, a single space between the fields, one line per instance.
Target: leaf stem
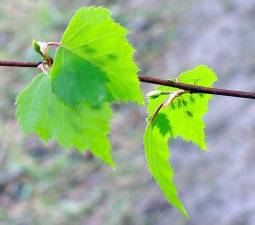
pixel 166 103
pixel 53 43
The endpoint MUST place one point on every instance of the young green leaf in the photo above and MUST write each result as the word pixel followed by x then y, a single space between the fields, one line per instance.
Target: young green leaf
pixel 186 112
pixel 157 155
pixel 36 46
pixel 81 127
pixel 95 61
pixel 182 118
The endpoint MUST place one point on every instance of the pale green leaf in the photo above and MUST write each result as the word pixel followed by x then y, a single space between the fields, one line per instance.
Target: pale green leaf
pixel 81 127
pixel 182 118
pixel 186 113
pixel 95 61
pixel 157 155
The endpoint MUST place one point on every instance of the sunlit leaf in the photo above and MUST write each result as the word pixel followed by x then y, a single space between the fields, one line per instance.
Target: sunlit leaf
pixel 95 61
pixel 83 127
pixel 182 118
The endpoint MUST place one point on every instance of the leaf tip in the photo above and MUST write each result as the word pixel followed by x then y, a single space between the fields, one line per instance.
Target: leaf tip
pixel 185 213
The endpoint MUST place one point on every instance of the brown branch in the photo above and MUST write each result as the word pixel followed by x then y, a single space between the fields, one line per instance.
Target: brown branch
pixel 198 89
pixel 19 64
pixel 187 87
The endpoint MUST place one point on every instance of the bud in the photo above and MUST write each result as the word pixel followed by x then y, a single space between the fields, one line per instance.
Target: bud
pixel 40 47
pixel 154 94
pixel 43 47
pixel 36 46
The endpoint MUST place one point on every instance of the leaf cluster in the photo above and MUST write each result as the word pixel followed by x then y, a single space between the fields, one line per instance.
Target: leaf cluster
pixel 94 67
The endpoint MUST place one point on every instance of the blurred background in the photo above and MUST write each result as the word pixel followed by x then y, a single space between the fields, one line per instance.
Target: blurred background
pixel 42 184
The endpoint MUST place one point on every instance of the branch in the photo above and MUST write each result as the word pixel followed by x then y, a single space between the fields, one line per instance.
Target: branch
pixel 187 87
pixel 19 64
pixel 198 89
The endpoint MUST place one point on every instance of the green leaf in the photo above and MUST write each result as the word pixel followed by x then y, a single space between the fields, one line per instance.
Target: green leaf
pixel 73 84
pixel 95 61
pixel 182 118
pixel 36 47
pixel 186 112
pixel 157 155
pixel 81 127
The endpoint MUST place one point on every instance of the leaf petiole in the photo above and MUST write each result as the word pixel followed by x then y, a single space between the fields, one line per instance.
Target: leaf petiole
pixel 172 96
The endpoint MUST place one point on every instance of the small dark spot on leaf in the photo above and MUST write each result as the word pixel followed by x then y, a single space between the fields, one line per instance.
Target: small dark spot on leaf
pixel 190 114
pixel 90 50
pixel 195 81
pixel 112 56
pixel 192 99
pixel 184 102
pixel 179 103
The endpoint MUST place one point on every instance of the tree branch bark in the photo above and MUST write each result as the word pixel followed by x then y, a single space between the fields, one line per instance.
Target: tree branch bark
pixel 198 89
pixel 19 63
pixel 146 79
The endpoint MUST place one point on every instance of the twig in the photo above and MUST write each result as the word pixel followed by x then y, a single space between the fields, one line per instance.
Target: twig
pixel 146 79
pixel 19 63
pixel 198 89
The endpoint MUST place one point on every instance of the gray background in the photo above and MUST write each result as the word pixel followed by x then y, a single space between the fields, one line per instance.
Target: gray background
pixel 42 184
